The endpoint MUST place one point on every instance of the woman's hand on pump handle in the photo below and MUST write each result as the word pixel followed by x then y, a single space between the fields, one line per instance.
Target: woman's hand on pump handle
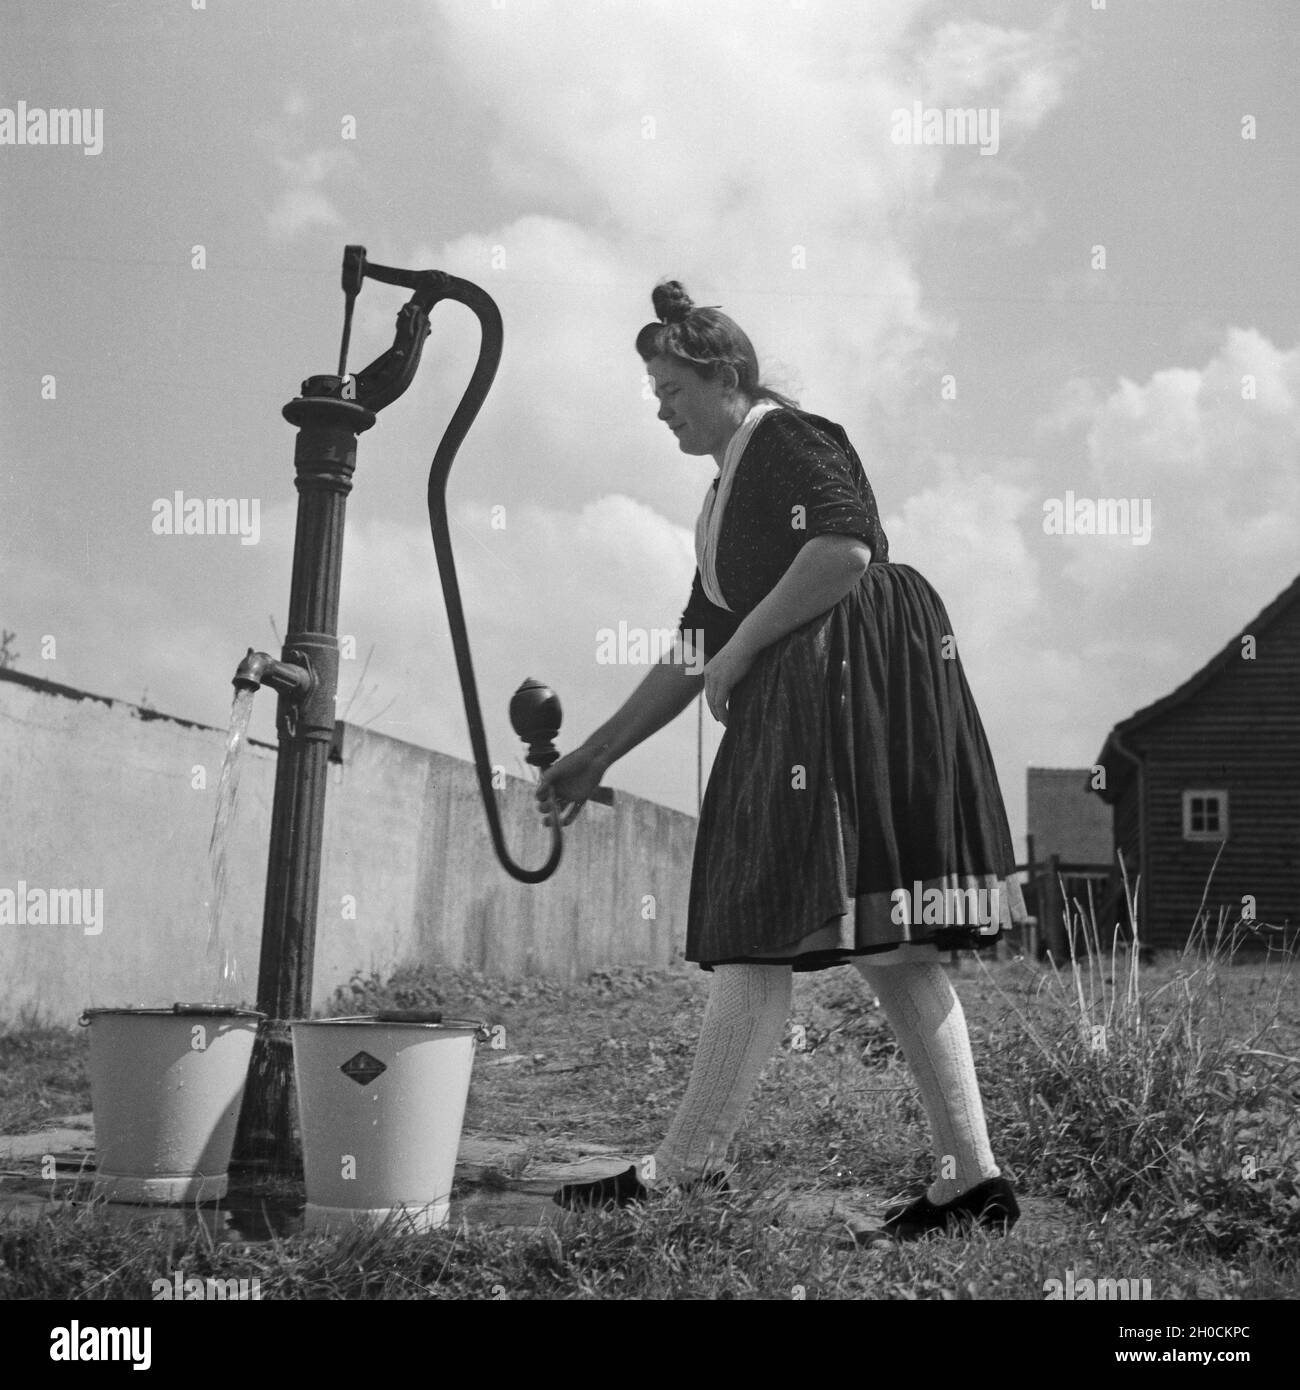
pixel 573 779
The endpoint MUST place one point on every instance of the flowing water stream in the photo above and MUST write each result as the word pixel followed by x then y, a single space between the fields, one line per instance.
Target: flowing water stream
pixel 222 964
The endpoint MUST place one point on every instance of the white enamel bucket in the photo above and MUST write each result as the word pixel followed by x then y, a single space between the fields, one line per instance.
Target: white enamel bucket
pixel 381 1103
pixel 166 1087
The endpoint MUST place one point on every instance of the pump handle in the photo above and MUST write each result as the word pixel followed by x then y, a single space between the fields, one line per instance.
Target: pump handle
pixel 380 383
pixel 481 304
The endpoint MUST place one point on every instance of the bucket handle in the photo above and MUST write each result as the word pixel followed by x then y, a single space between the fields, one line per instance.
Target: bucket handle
pixel 219 1010
pixel 223 1010
pixel 482 1031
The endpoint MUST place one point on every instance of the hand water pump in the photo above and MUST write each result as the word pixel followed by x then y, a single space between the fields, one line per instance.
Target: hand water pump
pixel 330 413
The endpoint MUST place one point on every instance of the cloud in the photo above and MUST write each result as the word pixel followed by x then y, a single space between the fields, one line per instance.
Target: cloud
pixel 1020 76
pixel 1213 450
pixel 966 535
pixel 745 150
pixel 303 204
pixel 966 60
pixel 996 199
pixel 752 160
pixel 1075 406
pixel 299 209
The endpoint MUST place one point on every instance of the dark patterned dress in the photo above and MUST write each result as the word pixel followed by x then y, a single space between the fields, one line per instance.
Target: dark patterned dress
pixel 853 803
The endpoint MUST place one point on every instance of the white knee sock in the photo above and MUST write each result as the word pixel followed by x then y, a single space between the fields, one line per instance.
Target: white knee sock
pixel 747 1011
pixel 923 1009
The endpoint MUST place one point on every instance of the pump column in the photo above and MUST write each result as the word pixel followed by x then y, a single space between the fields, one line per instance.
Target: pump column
pixel 324 459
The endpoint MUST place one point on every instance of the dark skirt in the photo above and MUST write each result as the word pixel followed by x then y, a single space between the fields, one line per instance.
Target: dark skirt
pixel 853 805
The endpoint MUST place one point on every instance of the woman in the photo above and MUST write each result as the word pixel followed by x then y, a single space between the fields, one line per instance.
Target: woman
pixel 853 805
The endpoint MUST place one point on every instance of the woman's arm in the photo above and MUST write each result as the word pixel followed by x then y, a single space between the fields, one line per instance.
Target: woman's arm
pixel 823 571
pixel 666 691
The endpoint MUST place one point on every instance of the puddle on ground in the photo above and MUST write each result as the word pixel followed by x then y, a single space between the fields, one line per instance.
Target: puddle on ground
pixel 249 1213
pixel 236 1218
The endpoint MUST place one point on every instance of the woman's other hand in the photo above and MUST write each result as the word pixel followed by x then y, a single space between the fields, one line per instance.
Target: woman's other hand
pixel 573 779
pixel 723 673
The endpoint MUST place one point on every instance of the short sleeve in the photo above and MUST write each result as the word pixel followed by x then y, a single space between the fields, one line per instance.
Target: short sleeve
pixel 816 481
pixel 707 625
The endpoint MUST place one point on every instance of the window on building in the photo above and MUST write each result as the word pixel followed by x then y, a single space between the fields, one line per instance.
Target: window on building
pixel 1205 815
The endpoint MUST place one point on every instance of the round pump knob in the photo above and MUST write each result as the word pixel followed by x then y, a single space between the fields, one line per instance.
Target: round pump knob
pixel 535 716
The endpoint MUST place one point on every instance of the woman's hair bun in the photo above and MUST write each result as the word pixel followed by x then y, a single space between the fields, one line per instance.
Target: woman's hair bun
pixel 671 302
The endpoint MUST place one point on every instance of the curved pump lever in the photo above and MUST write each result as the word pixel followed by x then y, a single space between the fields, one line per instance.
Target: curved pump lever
pixel 485 310
pixel 382 382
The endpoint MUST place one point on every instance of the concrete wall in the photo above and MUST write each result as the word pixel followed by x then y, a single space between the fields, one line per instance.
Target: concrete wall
pixel 97 794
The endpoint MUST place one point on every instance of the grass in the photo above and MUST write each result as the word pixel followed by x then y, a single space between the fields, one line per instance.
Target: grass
pixel 44 1073
pixel 1169 1100
pixel 1151 1110
pixel 690 1250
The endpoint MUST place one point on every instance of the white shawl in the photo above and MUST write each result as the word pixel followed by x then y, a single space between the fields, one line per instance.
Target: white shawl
pixel 708 527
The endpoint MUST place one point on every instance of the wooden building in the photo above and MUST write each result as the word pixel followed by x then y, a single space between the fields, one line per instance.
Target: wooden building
pixel 1213 770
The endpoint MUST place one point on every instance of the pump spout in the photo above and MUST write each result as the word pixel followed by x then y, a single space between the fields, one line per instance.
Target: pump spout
pixel 258 669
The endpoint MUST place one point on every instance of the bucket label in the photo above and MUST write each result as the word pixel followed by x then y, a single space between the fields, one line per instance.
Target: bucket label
pixel 363 1068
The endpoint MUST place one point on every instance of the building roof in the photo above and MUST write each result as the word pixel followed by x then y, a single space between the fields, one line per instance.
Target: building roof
pixel 1064 819
pixel 1231 651
pixel 1113 760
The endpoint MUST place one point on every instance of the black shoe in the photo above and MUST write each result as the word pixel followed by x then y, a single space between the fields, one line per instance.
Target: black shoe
pixel 991 1204
pixel 619 1191
pixel 923 1202
pixel 625 1188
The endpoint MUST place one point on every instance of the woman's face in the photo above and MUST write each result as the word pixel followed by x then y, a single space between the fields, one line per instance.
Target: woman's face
pixel 701 414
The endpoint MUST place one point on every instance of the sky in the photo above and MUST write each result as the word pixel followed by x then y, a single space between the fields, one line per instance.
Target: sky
pixel 1096 299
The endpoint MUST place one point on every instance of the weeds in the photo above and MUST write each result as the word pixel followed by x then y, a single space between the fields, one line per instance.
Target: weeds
pixel 1159 1102
pixel 1154 1100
